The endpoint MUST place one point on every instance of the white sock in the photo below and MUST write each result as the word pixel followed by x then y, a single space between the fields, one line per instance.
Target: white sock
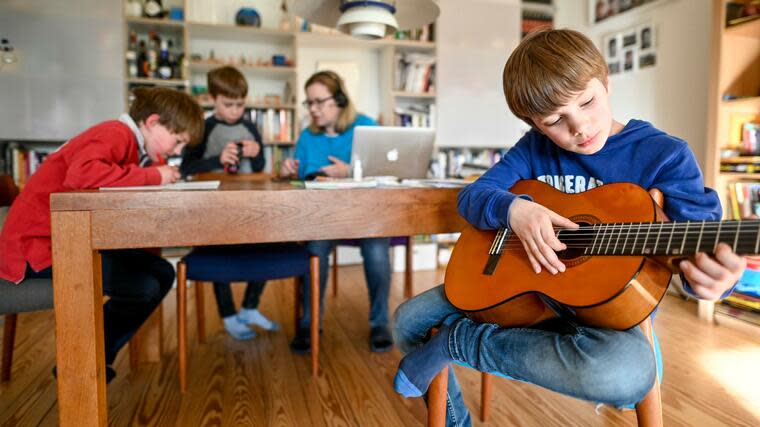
pixel 254 317
pixel 238 329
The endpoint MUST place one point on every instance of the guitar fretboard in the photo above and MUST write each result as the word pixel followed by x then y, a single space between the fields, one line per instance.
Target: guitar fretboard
pixel 655 238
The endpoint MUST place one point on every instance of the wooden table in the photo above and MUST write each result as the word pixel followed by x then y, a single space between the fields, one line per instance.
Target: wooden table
pixel 83 223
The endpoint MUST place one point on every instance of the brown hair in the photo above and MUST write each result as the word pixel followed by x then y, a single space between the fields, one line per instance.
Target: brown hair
pixel 177 111
pixel 547 68
pixel 227 81
pixel 335 86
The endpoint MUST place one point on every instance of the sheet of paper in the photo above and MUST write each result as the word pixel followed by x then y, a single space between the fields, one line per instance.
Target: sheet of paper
pixel 436 183
pixel 192 185
pixel 331 184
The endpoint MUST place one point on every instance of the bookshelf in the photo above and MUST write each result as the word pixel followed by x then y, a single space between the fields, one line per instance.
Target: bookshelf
pixel 732 162
pixel 536 14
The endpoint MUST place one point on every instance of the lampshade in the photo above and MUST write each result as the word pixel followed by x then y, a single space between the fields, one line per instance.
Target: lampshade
pixel 365 17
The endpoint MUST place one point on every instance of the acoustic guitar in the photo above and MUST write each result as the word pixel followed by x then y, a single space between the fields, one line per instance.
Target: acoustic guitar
pixel 619 261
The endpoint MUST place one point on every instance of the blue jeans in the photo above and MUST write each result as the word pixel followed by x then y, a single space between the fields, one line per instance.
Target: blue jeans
pixel 377 271
pixel 599 365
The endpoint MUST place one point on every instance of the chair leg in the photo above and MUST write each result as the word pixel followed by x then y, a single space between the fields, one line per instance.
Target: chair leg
pixel 408 270
pixel 335 270
pixel 200 312
pixel 182 324
pixel 649 410
pixel 486 387
pixel 134 352
pixel 9 337
pixel 437 399
pixel 314 286
pixel 436 395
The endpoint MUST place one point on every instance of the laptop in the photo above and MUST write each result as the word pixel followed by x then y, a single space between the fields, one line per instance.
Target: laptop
pixel 402 152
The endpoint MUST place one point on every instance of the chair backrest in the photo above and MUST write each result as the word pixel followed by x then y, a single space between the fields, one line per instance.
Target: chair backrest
pixel 8 190
pixel 32 294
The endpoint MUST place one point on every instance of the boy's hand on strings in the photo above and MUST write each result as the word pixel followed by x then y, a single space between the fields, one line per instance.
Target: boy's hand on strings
pixel 229 155
pixel 169 174
pixel 289 168
pixel 250 148
pixel 339 168
pixel 710 277
pixel 534 225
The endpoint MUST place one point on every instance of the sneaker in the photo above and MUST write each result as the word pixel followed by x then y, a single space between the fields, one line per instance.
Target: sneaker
pixel 380 339
pixel 301 344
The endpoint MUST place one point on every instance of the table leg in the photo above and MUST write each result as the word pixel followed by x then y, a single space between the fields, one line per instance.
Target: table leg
pixel 78 302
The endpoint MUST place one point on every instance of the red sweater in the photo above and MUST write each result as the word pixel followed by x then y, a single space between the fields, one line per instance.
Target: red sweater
pixel 105 155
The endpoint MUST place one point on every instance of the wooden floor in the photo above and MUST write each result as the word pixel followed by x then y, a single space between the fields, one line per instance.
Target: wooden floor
pixel 711 375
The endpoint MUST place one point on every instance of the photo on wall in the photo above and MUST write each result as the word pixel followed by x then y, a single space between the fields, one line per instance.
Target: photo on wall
pixel 611 46
pixel 629 63
pixel 630 38
pixel 647 46
pixel 604 9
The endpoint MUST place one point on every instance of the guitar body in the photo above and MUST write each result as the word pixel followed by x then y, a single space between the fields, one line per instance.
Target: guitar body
pixel 616 292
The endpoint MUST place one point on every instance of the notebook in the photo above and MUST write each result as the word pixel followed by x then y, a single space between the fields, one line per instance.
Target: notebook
pixel 396 151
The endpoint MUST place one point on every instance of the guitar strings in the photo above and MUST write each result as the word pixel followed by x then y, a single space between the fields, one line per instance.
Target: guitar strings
pixel 586 236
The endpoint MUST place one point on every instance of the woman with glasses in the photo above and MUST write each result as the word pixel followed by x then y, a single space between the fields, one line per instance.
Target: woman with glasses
pixel 324 149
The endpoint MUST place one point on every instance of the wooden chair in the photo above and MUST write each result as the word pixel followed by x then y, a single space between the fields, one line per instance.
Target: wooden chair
pixel 29 295
pixel 395 241
pixel 244 263
pixel 648 411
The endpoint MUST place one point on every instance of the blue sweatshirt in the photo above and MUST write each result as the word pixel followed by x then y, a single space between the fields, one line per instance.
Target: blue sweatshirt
pixel 312 149
pixel 640 154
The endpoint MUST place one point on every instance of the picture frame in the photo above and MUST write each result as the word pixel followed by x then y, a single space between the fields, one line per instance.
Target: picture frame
pixel 611 45
pixel 601 10
pixel 647 36
pixel 630 39
pixel 629 60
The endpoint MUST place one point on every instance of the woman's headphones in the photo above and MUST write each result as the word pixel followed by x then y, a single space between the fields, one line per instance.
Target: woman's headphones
pixel 341 100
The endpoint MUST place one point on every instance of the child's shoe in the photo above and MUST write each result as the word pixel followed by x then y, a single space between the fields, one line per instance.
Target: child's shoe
pixel 238 330
pixel 254 317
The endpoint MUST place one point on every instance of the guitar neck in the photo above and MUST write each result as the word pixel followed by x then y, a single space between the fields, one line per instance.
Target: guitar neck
pixel 663 238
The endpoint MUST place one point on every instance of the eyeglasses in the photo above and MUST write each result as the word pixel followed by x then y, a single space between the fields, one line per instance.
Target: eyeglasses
pixel 318 102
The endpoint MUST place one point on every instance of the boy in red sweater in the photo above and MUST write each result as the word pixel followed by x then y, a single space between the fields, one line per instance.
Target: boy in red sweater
pixel 117 153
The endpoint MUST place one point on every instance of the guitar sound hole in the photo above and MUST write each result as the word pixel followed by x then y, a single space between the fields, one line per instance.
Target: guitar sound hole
pixel 572 255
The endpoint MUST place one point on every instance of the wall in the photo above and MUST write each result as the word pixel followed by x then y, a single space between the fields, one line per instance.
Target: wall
pixel 672 95
pixel 70 70
pixel 367 98
pixel 474 42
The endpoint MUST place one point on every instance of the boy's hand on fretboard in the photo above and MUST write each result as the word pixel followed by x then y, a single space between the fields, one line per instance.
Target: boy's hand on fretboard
pixel 710 277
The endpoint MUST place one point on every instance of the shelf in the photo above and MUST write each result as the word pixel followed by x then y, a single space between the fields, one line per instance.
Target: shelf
pixel 411 44
pixel 157 82
pixel 749 102
pixel 155 22
pixel 161 26
pixel 336 41
pixel 279 143
pixel 740 159
pixel 256 106
pixel 426 95
pixel 739 175
pixel 266 70
pixel 342 40
pixel 235 32
pixel 750 28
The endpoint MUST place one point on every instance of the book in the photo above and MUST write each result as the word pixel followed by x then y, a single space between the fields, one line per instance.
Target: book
pixel 181 186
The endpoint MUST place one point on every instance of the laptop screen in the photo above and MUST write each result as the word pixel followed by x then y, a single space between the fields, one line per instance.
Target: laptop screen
pixel 402 152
